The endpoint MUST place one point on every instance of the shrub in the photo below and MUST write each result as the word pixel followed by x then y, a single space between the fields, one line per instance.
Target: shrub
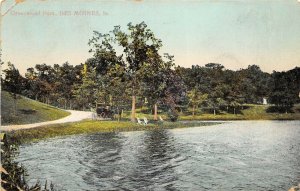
pixel 172 115
pixel 13 174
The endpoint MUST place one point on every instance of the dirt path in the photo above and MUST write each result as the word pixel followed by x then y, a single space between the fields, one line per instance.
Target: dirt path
pixel 74 116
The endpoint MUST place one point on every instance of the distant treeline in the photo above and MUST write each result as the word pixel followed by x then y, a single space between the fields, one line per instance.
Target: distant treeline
pixel 211 86
pixel 139 75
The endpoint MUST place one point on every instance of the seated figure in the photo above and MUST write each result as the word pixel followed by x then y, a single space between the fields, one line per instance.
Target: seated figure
pixel 139 121
pixel 145 121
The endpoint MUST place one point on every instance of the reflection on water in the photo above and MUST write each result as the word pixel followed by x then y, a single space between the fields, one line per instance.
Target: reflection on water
pixel 102 156
pixel 252 155
pixel 154 162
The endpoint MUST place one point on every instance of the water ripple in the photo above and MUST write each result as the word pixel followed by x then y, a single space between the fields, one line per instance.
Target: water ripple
pixel 252 155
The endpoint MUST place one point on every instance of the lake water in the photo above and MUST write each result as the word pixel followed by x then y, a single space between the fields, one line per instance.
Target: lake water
pixel 240 155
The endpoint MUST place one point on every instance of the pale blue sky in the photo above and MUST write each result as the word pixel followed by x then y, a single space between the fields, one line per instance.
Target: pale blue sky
pixel 235 33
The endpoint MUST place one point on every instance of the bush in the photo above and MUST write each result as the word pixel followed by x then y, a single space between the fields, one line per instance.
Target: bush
pixel 172 115
pixel 13 176
pixel 279 109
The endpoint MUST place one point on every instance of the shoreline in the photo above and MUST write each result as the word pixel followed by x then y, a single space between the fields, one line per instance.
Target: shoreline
pixel 89 126
pixel 226 120
pixel 275 117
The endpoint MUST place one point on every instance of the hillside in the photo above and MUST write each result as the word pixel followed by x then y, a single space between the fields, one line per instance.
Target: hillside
pixel 28 111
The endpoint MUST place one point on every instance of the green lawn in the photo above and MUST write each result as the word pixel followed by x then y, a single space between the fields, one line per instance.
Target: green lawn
pixel 253 112
pixel 28 111
pixel 90 126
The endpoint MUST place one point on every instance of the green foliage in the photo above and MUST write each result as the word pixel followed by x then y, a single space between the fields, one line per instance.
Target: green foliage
pixel 141 65
pixel 227 88
pixel 87 92
pixel 254 84
pixel 196 99
pixel 172 115
pixel 250 112
pixel 13 81
pixel 117 86
pixel 14 176
pixel 127 64
pixel 285 89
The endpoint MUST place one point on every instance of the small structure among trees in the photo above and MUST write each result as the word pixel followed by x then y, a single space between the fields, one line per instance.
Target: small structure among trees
pixel 265 101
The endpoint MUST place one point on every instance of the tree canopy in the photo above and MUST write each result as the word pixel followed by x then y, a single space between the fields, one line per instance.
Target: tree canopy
pixel 127 67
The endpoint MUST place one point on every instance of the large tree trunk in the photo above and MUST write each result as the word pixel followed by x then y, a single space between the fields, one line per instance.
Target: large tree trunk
pixel 214 111
pixel 133 108
pixel 155 112
pixel 234 110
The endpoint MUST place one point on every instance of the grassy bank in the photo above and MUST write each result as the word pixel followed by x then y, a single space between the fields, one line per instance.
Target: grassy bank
pixel 89 126
pixel 250 112
pixel 253 112
pixel 28 111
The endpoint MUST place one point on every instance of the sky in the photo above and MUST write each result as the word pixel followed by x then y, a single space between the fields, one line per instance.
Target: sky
pixel 234 33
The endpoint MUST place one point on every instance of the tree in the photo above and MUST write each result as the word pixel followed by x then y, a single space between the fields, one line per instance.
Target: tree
pixel 153 78
pixel 117 88
pixel 66 77
pixel 286 88
pixel 160 83
pixel 253 84
pixel 32 86
pixel 46 77
pixel 88 91
pixel 174 93
pixel 214 78
pixel 135 46
pixel 13 83
pixel 196 99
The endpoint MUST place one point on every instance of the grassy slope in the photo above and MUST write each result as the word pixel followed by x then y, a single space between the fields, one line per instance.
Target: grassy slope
pixel 89 126
pixel 254 112
pixel 42 112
